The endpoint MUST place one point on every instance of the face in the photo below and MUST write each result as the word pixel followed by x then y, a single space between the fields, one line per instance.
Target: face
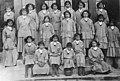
pixel 30 7
pixel 101 5
pixel 101 19
pixel 41 46
pixel 55 7
pixel 47 19
pixel 67 5
pixel 80 5
pixel 111 24
pixel 24 12
pixel 10 23
pixel 8 9
pixel 29 40
pixel 77 37
pixel 94 44
pixel 85 14
pixel 55 39
pixel 67 15
pixel 44 7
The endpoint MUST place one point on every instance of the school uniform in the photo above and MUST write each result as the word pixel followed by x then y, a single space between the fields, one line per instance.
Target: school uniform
pixel 96 59
pixel 23 27
pixel 34 24
pixel 101 34
pixel 9 15
pixel 68 30
pixel 46 31
pixel 104 13
pixel 56 21
pixel 87 31
pixel 113 52
pixel 41 56
pixel 9 50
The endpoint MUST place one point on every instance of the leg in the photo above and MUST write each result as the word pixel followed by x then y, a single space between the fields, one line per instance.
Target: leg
pixel 26 70
pixel 53 70
pixel 57 70
pixel 31 66
pixel 83 71
pixel 109 60
pixel 80 71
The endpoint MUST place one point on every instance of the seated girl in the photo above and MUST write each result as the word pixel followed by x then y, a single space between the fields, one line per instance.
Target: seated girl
pixel 96 57
pixel 41 60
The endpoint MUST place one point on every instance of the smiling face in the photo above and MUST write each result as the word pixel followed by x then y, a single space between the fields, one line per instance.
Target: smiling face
pixel 30 7
pixel 80 5
pixel 44 7
pixel 67 15
pixel 10 23
pixel 101 19
pixel 55 7
pixel 24 12
pixel 68 5
pixel 85 14
pixel 29 40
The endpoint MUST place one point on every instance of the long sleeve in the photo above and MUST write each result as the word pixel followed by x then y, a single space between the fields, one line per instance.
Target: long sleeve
pixel 74 27
pixel 3 36
pixel 23 53
pixel 101 55
pixel 46 57
pixel 18 25
pixel 37 20
pixel 91 56
pixel 52 30
pixel 92 27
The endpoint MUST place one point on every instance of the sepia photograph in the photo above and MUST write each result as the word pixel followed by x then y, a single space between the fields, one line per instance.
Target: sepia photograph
pixel 59 40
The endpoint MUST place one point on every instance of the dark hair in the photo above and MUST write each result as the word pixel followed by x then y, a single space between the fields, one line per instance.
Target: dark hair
pixel 99 4
pixel 82 3
pixel 45 5
pixel 67 2
pixel 11 7
pixel 29 5
pixel 77 34
pixel 23 9
pixel 51 39
pixel 9 20
pixel 112 21
pixel 98 44
pixel 100 16
pixel 69 44
pixel 58 7
pixel 27 39
pixel 87 12
pixel 45 18
pixel 67 12
pixel 41 42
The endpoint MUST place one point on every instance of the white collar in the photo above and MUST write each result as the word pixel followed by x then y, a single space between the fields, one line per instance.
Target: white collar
pixel 41 51
pixel 44 11
pixel 24 17
pixel 100 23
pixel 95 48
pixel 29 44
pixel 86 19
pixel 100 10
pixel 77 41
pixel 112 27
pixel 80 10
pixel 10 28
pixel 46 24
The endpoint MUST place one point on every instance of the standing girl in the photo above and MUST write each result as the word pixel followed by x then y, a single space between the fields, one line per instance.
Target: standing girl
pixel 101 33
pixel 46 31
pixel 9 14
pixel 9 41
pixel 101 10
pixel 23 27
pixel 44 12
pixel 86 29
pixel 34 20
pixel 55 50
pixel 96 57
pixel 41 60
pixel 28 55
pixel 68 7
pixel 81 8
pixel 113 53
pixel 79 54
pixel 68 58
pixel 68 28
pixel 56 18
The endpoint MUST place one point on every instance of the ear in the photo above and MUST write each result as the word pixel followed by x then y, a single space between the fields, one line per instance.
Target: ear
pixel 104 5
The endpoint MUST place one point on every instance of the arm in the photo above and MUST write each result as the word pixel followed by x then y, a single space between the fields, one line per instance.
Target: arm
pixel 4 36
pixel 91 56
pixel 18 24
pixel 92 27
pixel 37 20
pixel 74 27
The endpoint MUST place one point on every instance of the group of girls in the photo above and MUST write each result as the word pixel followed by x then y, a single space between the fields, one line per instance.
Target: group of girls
pixel 48 26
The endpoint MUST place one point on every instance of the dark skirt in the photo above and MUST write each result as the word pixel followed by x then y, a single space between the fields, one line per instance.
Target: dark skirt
pixel 68 71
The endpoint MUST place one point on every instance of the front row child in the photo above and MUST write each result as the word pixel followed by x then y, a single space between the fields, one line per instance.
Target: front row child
pixel 41 60
pixel 79 54
pixel 55 50
pixel 28 55
pixel 96 57
pixel 68 58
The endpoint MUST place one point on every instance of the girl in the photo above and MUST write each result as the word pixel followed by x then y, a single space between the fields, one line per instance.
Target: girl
pixel 86 29
pixel 81 8
pixel 96 59
pixel 68 29
pixel 79 54
pixel 9 41
pixel 68 7
pixel 68 57
pixel 101 10
pixel 56 18
pixel 28 55
pixel 23 27
pixel 44 12
pixel 34 20
pixel 101 33
pixel 113 53
pixel 41 60
pixel 9 14
pixel 55 50
pixel 46 31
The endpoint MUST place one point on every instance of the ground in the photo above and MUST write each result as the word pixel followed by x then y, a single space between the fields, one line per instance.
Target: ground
pixel 16 73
